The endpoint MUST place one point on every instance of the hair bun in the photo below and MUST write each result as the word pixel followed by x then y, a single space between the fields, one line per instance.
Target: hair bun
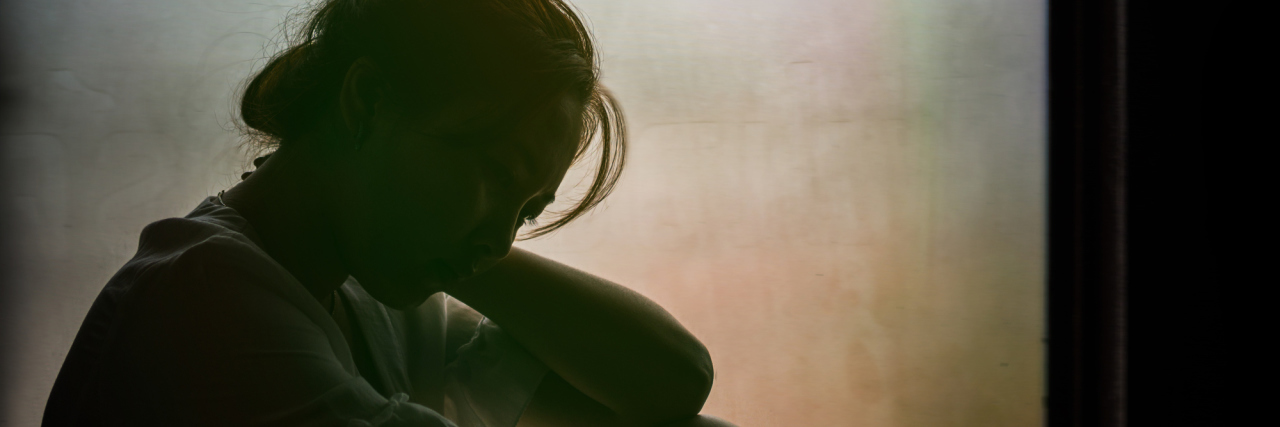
pixel 276 101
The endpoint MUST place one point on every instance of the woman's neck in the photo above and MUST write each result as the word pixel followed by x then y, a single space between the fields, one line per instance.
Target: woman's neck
pixel 285 200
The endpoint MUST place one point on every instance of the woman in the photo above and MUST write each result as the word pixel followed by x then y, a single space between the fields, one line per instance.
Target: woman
pixel 413 139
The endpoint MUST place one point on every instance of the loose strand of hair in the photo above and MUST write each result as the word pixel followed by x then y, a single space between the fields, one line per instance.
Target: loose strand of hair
pixel 613 148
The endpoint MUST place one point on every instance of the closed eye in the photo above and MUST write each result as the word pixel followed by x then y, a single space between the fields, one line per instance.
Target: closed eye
pixel 542 203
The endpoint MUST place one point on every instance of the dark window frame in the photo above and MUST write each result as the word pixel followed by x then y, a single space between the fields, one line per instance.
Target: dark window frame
pixel 1148 110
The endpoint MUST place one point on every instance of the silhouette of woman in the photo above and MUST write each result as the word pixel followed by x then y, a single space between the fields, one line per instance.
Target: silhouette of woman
pixel 333 286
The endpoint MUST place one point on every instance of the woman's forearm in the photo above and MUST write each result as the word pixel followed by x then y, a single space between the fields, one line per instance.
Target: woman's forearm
pixel 610 342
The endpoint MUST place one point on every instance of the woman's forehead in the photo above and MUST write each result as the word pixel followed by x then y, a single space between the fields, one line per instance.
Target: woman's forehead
pixel 550 137
pixel 557 120
pixel 540 141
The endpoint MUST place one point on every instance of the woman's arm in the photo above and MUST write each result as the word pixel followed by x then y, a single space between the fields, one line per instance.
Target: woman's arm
pixel 612 344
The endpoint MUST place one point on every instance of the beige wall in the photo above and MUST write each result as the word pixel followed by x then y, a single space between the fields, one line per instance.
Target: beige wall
pixel 844 199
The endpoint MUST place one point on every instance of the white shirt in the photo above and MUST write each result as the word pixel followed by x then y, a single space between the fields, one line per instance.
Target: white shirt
pixel 201 327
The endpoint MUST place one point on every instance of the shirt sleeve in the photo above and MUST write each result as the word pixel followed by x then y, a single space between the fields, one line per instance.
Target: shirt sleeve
pixel 492 380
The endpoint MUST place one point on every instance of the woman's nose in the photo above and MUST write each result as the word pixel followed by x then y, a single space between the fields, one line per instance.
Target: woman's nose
pixel 495 248
pixel 493 242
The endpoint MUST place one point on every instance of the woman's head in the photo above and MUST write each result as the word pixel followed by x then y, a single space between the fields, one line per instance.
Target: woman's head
pixel 445 126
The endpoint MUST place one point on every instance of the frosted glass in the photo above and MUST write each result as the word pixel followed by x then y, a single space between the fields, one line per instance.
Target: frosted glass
pixel 844 199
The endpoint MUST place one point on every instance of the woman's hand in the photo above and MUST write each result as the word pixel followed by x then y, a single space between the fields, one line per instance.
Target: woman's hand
pixel 612 344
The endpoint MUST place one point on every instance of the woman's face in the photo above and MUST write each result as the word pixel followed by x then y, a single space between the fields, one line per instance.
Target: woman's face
pixel 430 200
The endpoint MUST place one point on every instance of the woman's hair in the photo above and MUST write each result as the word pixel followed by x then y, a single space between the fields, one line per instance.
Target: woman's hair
pixel 514 55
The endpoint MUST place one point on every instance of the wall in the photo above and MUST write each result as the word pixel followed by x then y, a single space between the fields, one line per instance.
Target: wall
pixel 843 199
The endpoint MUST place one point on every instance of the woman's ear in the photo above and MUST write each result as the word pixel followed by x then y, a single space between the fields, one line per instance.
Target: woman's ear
pixel 362 90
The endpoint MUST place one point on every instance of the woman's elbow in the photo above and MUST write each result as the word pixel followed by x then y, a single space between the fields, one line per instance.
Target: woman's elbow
pixel 685 391
pixel 702 379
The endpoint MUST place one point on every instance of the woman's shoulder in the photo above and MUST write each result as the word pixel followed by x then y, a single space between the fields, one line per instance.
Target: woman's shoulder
pixel 199 285
pixel 191 274
pixel 203 266
pixel 211 240
pixel 203 325
pixel 210 228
